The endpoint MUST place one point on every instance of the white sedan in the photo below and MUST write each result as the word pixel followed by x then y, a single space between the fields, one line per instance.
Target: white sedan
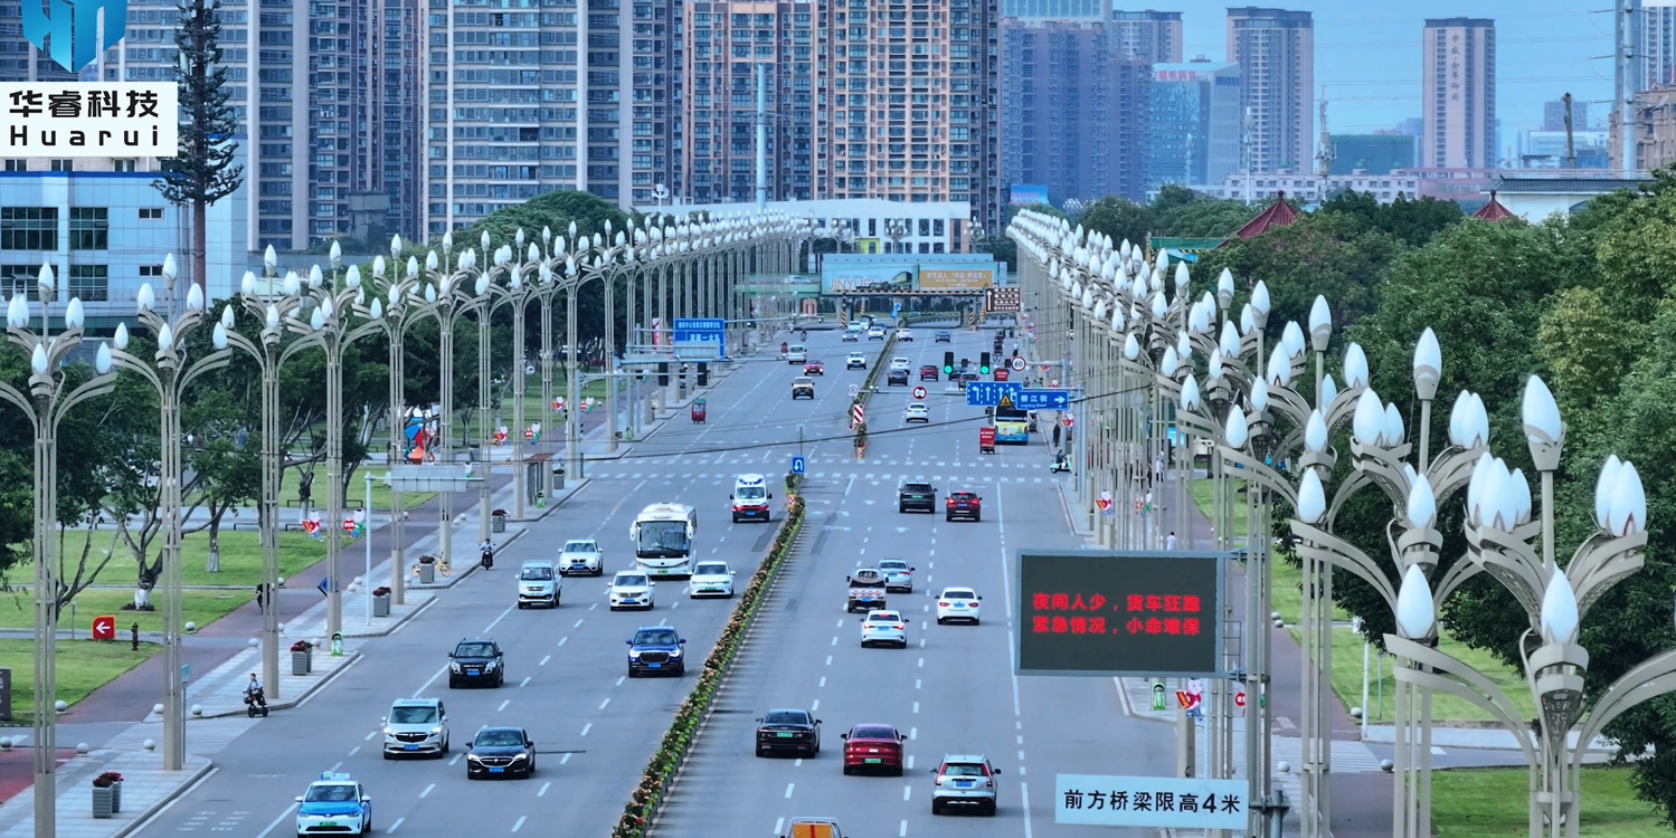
pixel 917 412
pixel 888 628
pixel 905 335
pixel 876 333
pixel 958 604
pixel 631 589
pixel 711 579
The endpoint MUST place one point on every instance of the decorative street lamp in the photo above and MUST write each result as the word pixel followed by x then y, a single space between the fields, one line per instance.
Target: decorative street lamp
pixel 49 399
pixel 395 321
pixel 443 299
pixel 170 373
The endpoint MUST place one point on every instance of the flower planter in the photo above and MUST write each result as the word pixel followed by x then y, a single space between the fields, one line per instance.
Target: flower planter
pixel 381 605
pixel 116 797
pixel 104 802
pixel 302 663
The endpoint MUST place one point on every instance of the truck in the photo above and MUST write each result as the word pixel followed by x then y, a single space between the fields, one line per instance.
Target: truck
pixel 867 591
pixel 663 537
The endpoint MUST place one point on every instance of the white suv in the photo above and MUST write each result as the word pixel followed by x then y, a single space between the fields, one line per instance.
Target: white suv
pixel 581 555
pixel 964 780
pixel 856 361
pixel 900 363
pixel 416 726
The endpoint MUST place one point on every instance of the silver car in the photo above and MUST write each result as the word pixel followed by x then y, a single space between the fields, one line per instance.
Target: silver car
pixel 964 780
pixel 581 556
pixel 538 584
pixel 416 726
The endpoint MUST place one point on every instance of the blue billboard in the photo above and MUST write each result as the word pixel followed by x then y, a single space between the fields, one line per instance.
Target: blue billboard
pixel 1029 194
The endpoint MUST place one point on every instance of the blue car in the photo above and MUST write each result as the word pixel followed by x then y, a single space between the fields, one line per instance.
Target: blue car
pixel 334 805
pixel 657 649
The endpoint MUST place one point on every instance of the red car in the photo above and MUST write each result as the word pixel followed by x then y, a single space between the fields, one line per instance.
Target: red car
pixel 928 373
pixel 814 368
pixel 873 746
pixel 964 505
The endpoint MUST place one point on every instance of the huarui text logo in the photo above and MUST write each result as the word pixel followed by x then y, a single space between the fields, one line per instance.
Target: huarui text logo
pixel 69 32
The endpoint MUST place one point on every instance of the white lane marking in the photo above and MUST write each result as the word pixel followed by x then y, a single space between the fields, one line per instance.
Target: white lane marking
pixel 823 680
pixel 675 606
pixel 779 824
pixel 1020 756
pixel 544 788
pixel 815 706
pixel 427 791
pixel 277 821
pixel 186 792
pixel 544 660
pixel 587 727
pixel 565 760
pixel 603 703
pixel 355 750
pixel 427 684
pixel 520 824
pixel 913 733
pixel 918 683
pixel 563 639
pixel 922 643
pixel 525 682
pixel 491 627
pixel 922 663
pixel 789 787
pixel 798 763
pixel 620 679
pixel 840 623
pixel 907 791
pixel 902 831
pixel 910 763
pixel 334 768
pixel 834 640
pixel 916 707
pixel 1024 795
pixel 1021 740
pixel 396 825
pixel 455 759
pixel 1021 771
pixel 592 607
pixel 828 660
pixel 578 624
pixel 503 705
pixel 370 735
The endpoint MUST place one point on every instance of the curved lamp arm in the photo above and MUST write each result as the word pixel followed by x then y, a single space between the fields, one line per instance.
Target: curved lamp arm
pixel 1456 678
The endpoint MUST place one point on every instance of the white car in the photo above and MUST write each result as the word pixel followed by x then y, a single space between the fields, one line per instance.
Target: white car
pixel 711 579
pixel 851 336
pixel 797 354
pixel 888 628
pixel 334 805
pixel 958 604
pixel 416 726
pixel 900 363
pixel 899 576
pixel 581 556
pixel 917 412
pixel 876 333
pixel 856 361
pixel 538 584
pixel 631 589
pixel 905 335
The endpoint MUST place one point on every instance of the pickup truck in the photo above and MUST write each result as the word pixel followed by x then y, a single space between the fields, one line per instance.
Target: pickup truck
pixel 916 496
pixel 867 591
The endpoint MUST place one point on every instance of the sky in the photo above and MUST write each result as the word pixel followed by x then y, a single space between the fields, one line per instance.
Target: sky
pixel 1367 54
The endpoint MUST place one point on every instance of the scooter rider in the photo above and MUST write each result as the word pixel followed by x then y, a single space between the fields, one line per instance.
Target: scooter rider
pixel 488 551
pixel 253 696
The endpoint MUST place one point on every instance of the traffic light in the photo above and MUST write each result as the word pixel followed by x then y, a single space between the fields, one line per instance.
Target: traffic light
pixel 703 374
pixel 983 363
pixel 663 373
pixel 948 363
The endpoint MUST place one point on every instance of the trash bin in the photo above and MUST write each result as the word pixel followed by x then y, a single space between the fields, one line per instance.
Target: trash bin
pixel 381 605
pixel 558 478
pixel 497 523
pixel 427 573
pixel 302 662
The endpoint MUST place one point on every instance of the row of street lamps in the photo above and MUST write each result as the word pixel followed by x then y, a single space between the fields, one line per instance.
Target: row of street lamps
pixel 681 269
pixel 1133 347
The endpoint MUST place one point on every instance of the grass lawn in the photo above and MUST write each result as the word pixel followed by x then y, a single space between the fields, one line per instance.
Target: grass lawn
pixel 1202 499
pixel 1347 681
pixel 1491 803
pixel 201 607
pixel 83 666
pixel 241 558
pixel 289 512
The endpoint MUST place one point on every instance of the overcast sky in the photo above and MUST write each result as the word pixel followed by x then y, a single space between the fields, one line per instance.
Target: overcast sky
pixel 1367 54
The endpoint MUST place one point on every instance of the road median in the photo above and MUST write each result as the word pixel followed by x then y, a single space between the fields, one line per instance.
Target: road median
pixel 672 752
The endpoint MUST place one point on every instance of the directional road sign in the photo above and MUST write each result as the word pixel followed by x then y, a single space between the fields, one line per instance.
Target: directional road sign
pixel 1018 365
pixel 988 393
pixel 1041 399
pixel 703 330
pixel 919 393
pixel 798 465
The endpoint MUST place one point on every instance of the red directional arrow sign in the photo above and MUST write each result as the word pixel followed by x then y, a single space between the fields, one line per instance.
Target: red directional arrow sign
pixel 919 393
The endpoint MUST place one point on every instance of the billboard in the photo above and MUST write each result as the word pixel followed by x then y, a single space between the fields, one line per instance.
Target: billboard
pixel 975 278
pixel 907 274
pixel 881 276
pixel 1104 612
pixel 1029 194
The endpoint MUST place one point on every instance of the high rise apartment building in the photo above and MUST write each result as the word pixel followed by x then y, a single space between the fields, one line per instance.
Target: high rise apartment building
pixel 1458 96
pixel 1194 123
pixel 729 47
pixel 1150 37
pixel 1275 49
pixel 526 98
pixel 1553 116
pixel 1658 43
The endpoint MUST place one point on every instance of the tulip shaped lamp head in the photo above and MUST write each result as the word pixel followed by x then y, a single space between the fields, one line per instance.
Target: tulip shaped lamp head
pixel 1320 324
pixel 1428 365
pixel 1225 288
pixel 1543 429
pixel 1416 612
pixel 1312 498
pixel 1559 617
pixel 1237 432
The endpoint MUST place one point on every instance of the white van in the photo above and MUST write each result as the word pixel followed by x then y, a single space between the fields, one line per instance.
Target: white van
pixel 796 354
pixel 750 498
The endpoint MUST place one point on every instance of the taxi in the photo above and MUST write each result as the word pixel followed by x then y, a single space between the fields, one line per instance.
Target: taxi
pixel 334 805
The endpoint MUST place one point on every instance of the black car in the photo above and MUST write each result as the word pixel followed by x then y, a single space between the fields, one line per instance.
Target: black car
pixel 476 661
pixel 500 752
pixel 897 377
pixel 797 731
pixel 916 496
pixel 656 650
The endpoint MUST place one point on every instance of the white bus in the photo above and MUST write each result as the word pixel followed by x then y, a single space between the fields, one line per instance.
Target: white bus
pixel 663 535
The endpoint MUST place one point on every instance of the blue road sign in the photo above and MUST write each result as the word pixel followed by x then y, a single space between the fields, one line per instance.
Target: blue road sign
pixel 326 586
pixel 988 393
pixel 702 330
pixel 798 465
pixel 185 672
pixel 1042 400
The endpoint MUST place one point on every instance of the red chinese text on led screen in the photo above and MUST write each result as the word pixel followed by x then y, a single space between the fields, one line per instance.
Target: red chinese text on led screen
pixel 1139 608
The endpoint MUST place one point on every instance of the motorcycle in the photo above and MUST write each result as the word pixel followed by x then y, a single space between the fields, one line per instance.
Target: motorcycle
pixel 1060 465
pixel 256 704
pixel 488 560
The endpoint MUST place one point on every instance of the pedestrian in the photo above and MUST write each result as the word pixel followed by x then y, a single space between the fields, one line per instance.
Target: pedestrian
pixel 134 637
pixel 261 598
pixel 1056 436
pixel 1158 469
pixel 1170 543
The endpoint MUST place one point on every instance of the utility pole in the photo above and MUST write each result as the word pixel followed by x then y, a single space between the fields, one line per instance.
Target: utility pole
pixel 1627 78
pixel 1324 153
pixel 1570 149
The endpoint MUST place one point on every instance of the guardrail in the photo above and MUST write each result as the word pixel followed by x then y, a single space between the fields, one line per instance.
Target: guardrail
pixel 672 753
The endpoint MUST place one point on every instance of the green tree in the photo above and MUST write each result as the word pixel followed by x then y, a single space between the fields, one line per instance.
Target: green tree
pixel 1586 346
pixel 203 172
pixel 1121 219
pixel 1411 222
pixel 1205 219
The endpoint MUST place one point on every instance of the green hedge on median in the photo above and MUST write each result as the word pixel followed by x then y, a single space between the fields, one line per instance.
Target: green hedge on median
pixel 655 782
